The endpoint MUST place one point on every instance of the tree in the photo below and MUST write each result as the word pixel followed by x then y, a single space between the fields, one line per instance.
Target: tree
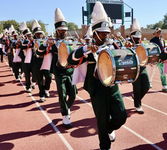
pixel 161 24
pixel 164 26
pixel 7 24
pixel 1 27
pixel 72 26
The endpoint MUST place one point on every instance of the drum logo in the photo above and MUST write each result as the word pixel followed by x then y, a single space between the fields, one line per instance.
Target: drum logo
pixel 153 51
pixel 125 62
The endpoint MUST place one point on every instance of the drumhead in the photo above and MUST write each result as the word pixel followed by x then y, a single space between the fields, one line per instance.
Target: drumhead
pixel 142 55
pixel 105 67
pixel 63 54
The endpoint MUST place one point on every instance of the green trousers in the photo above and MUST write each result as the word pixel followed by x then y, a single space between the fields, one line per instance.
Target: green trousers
pixel 27 68
pixel 140 86
pixel 65 88
pixel 109 110
pixel 44 78
pixel 162 74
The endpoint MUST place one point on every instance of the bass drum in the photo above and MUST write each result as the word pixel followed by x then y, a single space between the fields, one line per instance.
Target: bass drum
pixel 117 66
pixel 63 52
pixel 148 53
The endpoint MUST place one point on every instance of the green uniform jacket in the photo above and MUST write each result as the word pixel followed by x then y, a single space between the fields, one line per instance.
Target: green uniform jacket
pixel 56 68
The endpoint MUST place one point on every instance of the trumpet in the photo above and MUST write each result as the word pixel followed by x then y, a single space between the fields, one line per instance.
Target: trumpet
pixel 46 42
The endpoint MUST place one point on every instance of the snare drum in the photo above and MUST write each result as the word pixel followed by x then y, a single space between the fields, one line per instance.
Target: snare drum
pixel 148 53
pixel 117 66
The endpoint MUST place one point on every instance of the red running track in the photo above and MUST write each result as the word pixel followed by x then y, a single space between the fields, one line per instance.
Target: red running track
pixel 26 124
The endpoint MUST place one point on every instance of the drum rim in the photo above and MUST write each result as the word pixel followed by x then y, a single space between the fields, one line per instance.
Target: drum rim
pixel 138 63
pixel 111 83
pixel 143 45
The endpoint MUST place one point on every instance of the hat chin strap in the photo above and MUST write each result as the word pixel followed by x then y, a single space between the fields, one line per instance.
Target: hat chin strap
pixel 98 36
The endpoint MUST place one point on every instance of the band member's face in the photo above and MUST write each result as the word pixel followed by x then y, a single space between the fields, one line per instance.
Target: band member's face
pixel 158 34
pixel 39 35
pixel 88 41
pixel 100 37
pixel 136 40
pixel 15 36
pixel 29 36
pixel 61 34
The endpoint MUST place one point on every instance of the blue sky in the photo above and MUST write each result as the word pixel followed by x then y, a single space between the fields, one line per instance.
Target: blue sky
pixel 146 11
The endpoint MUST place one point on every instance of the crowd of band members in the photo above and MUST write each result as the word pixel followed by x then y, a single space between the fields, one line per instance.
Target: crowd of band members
pixel 37 57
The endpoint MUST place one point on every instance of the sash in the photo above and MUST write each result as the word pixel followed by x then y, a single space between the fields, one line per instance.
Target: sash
pixel 16 58
pixel 79 74
pixel 28 54
pixel 46 64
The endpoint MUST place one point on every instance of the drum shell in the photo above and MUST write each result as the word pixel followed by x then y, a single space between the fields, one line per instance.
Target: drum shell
pixel 153 53
pixel 117 66
pixel 148 53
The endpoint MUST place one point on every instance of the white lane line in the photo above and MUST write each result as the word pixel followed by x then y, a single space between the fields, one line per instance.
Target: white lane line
pixel 130 130
pixel 50 121
pixel 164 113
pixel 69 147
pixel 141 137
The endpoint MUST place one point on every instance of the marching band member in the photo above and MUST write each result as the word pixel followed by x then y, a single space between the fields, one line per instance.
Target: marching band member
pixel 88 36
pixel 40 74
pixel 27 54
pixel 45 52
pixel 17 64
pixel 157 40
pixel 7 45
pixel 1 47
pixel 80 71
pixel 107 102
pixel 63 76
pixel 120 40
pixel 142 84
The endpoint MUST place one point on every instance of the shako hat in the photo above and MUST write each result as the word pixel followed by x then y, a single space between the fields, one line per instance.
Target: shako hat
pixel 36 28
pixel 24 29
pixel 60 22
pixel 89 33
pixel 157 30
pixel 100 20
pixel 136 30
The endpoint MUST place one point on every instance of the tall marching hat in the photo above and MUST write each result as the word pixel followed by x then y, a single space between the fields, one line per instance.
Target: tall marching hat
pixel 89 33
pixel 100 20
pixel 157 30
pixel 12 30
pixel 110 23
pixel 36 28
pixel 136 30
pixel 6 31
pixel 60 22
pixel 24 29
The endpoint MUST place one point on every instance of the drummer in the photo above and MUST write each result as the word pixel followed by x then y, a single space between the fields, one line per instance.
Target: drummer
pixel 142 84
pixel 157 39
pixel 63 75
pixel 107 102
